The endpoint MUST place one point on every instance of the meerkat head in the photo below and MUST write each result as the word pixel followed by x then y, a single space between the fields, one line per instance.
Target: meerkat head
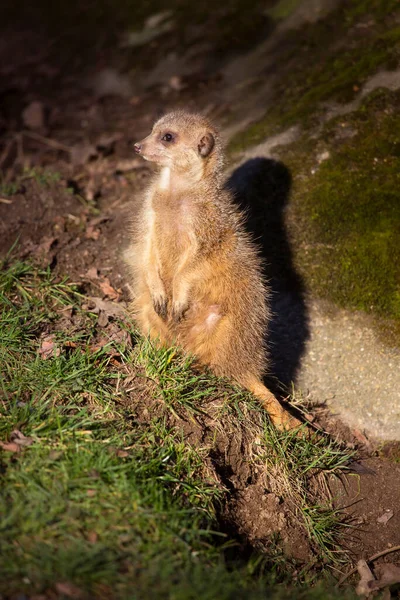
pixel 186 143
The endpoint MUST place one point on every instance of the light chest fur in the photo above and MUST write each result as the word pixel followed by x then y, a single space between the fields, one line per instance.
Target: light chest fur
pixel 169 225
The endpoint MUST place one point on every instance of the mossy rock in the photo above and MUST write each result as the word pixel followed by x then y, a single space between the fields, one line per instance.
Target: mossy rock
pixel 345 214
pixel 347 56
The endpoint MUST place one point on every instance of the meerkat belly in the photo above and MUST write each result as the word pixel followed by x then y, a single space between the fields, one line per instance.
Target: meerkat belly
pixel 221 290
pixel 209 306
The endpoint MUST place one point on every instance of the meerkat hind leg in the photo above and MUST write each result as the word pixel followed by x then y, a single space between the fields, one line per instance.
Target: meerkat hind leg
pixel 280 417
pixel 211 340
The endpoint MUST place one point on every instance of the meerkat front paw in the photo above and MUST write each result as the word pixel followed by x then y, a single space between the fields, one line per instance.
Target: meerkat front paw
pixel 160 305
pixel 178 310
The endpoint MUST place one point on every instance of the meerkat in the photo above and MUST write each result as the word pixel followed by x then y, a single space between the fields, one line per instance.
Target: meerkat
pixel 196 274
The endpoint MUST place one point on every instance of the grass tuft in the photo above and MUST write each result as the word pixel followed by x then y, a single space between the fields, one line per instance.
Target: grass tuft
pixel 178 384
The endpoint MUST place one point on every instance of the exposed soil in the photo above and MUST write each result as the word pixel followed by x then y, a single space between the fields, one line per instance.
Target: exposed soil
pixel 78 225
pixel 254 515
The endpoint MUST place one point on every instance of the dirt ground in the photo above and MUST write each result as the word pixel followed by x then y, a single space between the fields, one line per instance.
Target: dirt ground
pixel 77 224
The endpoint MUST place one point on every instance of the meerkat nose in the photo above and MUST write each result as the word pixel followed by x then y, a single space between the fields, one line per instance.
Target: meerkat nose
pixel 137 148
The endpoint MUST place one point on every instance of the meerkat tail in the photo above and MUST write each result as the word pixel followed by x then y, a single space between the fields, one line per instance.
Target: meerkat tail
pixel 280 417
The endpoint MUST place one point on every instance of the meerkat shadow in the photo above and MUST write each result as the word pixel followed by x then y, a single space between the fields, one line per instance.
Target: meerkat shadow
pixel 261 188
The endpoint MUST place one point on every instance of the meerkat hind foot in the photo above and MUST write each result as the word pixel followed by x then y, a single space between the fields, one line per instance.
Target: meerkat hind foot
pixel 280 417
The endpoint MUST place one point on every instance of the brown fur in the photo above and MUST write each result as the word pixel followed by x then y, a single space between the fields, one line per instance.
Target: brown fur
pixel 196 274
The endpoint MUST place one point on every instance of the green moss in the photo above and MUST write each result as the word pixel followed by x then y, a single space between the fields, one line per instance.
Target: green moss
pixel 379 9
pixel 349 211
pixel 282 9
pixel 336 75
pixel 344 72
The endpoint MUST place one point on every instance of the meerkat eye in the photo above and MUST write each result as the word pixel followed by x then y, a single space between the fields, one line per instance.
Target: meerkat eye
pixel 167 137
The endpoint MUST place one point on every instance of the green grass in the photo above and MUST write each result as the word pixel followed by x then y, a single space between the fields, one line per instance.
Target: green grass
pixel 282 9
pixel 8 189
pixel 43 177
pixel 72 482
pixel 100 499
pixel 296 468
pixel 178 385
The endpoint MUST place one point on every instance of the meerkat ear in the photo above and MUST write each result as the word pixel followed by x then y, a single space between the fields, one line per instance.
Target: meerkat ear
pixel 206 144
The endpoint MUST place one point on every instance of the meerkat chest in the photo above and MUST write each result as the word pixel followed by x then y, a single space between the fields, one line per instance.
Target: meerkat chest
pixel 173 231
pixel 174 216
pixel 171 242
pixel 172 234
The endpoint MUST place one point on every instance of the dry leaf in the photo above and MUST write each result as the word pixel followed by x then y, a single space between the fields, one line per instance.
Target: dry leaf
pixel 19 438
pixel 99 345
pixel 387 515
pixel 10 446
pixel 360 469
pixel 122 453
pixel 90 188
pixel 92 233
pixel 45 245
pixel 92 537
pixel 360 437
pixel 33 115
pixel 112 309
pixel 70 344
pixel 366 579
pixel 80 154
pixel 102 321
pixel 388 574
pixel 98 220
pixel 55 454
pixel 118 335
pixel 108 290
pixel 91 493
pixel 92 273
pixel 17 441
pixel 68 589
pixel 48 348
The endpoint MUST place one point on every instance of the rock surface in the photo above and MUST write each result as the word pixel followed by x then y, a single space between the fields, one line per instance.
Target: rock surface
pixel 347 366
